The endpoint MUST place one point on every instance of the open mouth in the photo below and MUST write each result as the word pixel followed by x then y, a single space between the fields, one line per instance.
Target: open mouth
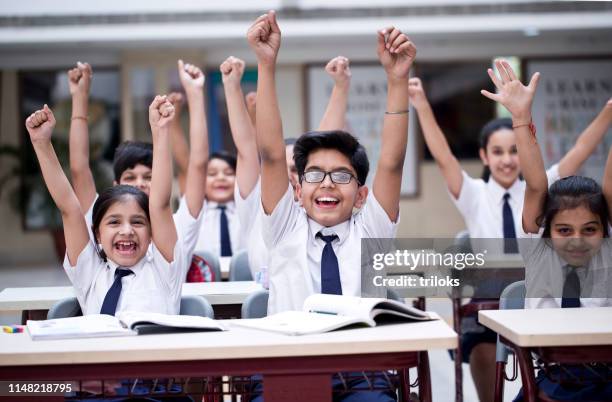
pixel 326 202
pixel 578 253
pixel 125 247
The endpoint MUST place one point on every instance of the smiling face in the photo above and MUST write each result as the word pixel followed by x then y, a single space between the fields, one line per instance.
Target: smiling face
pixel 139 176
pixel 329 203
pixel 220 178
pixel 501 156
pixel 124 232
pixel 577 235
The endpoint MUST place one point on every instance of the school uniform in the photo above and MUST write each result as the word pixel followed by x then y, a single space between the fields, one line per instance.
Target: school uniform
pixel 153 285
pixel 250 217
pixel 209 238
pixel 482 204
pixel 546 273
pixel 551 283
pixel 296 248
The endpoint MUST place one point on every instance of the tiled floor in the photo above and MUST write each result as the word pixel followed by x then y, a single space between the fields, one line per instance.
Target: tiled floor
pixel 442 369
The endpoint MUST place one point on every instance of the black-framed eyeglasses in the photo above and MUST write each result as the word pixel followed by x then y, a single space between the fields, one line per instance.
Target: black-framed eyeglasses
pixel 317 176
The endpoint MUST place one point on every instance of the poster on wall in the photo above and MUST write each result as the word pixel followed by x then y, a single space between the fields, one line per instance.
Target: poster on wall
pixel 570 95
pixel 365 112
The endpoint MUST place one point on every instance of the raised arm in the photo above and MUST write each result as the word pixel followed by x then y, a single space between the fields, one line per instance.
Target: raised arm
pixel 264 37
pixel 435 139
pixel 251 103
pixel 40 126
pixel 335 114
pixel 396 53
pixel 192 79
pixel 180 147
pixel 242 128
pixel 517 98
pixel 607 184
pixel 79 82
pixel 587 142
pixel 163 230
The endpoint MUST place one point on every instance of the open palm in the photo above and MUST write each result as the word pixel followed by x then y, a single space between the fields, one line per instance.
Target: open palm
pixel 511 93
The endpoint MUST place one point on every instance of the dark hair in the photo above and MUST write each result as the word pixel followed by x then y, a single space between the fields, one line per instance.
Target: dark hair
pixel 572 192
pixel 341 141
pixel 225 156
pixel 485 135
pixel 290 141
pixel 111 196
pixel 131 153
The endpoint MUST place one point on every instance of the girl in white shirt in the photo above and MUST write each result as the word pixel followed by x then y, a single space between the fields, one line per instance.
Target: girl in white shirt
pixel 568 223
pixel 125 223
pixel 481 201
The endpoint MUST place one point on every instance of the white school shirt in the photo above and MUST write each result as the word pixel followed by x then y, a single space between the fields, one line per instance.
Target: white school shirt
pixel 545 273
pixel 295 253
pixel 250 217
pixel 209 238
pixel 481 205
pixel 154 287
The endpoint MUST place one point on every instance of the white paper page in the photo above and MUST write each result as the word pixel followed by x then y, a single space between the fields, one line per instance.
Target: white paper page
pixel 129 318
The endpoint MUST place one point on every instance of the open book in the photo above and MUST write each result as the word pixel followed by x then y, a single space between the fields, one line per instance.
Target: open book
pixel 125 323
pixel 323 313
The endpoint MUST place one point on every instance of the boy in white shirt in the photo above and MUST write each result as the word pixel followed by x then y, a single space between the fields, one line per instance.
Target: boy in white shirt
pixel 314 248
pixel 247 194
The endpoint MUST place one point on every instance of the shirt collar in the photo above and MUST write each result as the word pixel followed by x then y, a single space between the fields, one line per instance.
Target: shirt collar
pixel 229 206
pixel 148 257
pixel 497 192
pixel 340 230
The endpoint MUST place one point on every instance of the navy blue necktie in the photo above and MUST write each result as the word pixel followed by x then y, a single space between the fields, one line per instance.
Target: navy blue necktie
pixel 510 244
pixel 571 290
pixel 330 271
pixel 226 243
pixel 109 305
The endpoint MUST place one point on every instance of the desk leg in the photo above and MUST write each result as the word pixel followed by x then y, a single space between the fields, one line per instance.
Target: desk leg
pixel 424 377
pixel 458 358
pixel 530 389
pixel 297 387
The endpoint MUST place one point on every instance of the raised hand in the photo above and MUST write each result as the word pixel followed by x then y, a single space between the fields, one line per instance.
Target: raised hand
pixel 40 125
pixel 161 112
pixel 396 52
pixel 416 92
pixel 511 93
pixel 191 77
pixel 79 79
pixel 177 100
pixel 232 70
pixel 264 37
pixel 338 68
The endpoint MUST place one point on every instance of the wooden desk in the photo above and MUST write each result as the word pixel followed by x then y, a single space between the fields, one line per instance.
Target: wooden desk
pixel 573 336
pixel 226 297
pixel 293 367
